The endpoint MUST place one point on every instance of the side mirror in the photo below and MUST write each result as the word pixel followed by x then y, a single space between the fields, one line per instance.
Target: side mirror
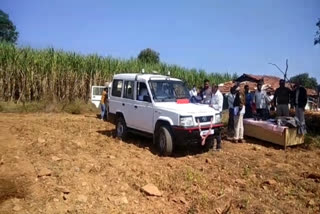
pixel 147 98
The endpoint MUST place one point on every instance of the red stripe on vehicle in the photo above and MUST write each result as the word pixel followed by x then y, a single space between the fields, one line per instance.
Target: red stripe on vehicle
pixel 183 101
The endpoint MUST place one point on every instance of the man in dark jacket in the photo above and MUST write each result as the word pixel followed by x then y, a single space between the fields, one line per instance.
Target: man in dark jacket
pixel 299 101
pixel 281 99
pixel 249 100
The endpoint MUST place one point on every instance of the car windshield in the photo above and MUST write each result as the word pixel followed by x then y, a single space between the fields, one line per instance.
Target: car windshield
pixel 168 90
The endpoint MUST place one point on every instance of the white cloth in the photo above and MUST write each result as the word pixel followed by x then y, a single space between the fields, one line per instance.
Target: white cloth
pixel 193 92
pixel 260 99
pixel 269 99
pixel 217 101
pixel 230 100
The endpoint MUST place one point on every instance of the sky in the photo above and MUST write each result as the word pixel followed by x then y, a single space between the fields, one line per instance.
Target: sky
pixel 215 35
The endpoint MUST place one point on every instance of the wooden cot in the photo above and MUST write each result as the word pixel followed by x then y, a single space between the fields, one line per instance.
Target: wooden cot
pixel 263 130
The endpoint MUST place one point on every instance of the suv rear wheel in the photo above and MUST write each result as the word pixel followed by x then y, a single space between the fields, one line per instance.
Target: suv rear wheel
pixel 165 143
pixel 121 128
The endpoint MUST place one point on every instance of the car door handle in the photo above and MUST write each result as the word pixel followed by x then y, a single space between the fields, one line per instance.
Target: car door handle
pixel 135 106
pixel 123 104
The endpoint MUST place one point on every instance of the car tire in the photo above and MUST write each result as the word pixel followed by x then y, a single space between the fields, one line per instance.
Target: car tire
pixel 121 128
pixel 165 141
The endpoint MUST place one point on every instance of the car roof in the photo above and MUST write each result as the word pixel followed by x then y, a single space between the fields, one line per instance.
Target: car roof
pixel 136 76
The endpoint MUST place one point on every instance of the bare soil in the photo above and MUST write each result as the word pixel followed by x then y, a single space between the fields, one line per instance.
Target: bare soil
pixel 62 163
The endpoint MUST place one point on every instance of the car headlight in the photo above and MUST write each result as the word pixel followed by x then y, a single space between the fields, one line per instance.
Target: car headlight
pixel 186 121
pixel 218 118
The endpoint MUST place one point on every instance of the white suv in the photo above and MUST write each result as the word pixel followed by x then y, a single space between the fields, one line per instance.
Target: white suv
pixel 159 105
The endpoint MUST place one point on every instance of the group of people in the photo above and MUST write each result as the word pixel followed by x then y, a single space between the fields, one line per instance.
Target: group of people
pixel 260 103
pixel 245 104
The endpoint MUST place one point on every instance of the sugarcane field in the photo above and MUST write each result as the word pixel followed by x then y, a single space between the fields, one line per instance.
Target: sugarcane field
pixel 92 120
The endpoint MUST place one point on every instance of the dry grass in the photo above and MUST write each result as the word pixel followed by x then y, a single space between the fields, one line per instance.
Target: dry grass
pixel 74 107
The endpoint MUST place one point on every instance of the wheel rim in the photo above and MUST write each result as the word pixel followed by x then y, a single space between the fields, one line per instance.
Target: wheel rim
pixel 162 141
pixel 120 129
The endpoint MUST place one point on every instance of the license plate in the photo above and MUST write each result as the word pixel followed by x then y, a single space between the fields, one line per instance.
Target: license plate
pixel 202 133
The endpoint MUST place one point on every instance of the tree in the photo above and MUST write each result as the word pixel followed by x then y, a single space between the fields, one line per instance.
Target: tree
pixel 8 31
pixel 317 38
pixel 149 56
pixel 305 80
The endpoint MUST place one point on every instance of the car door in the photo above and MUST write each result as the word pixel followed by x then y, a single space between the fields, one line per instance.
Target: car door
pixel 115 101
pixel 96 92
pixel 127 103
pixel 142 113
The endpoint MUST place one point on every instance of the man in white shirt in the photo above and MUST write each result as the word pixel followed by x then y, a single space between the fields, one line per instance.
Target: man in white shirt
pixel 217 104
pixel 260 99
pixel 216 99
pixel 193 92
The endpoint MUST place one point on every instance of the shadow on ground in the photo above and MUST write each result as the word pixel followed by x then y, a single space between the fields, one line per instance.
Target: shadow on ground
pixel 146 143
pixel 9 189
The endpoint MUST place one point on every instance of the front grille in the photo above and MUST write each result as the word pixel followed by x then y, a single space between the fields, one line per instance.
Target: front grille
pixel 204 119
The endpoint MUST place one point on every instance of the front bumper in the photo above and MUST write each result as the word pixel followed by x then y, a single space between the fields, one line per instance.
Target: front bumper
pixel 184 136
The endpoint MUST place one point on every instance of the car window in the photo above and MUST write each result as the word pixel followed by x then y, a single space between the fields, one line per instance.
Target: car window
pixel 117 88
pixel 141 90
pixel 97 91
pixel 128 89
pixel 166 91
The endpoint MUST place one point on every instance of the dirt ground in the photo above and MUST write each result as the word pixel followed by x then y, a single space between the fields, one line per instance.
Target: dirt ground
pixel 62 163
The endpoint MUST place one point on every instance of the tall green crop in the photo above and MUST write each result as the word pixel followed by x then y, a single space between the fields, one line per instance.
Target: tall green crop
pixel 28 74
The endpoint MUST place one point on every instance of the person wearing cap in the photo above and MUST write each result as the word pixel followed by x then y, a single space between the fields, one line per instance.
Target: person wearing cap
pixel 260 99
pixel 103 102
pixel 217 104
pixel 299 101
pixel 281 99
pixel 239 110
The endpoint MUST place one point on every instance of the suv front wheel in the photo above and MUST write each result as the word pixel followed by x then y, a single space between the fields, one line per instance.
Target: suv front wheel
pixel 165 143
pixel 121 128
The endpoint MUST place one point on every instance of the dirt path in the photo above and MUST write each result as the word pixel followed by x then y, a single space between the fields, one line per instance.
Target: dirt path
pixel 61 163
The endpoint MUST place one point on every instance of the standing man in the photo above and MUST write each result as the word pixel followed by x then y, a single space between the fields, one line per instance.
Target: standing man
pixel 231 97
pixel 260 99
pixel 249 99
pixel 239 110
pixel 281 99
pixel 299 102
pixel 206 92
pixel 104 97
pixel 217 104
